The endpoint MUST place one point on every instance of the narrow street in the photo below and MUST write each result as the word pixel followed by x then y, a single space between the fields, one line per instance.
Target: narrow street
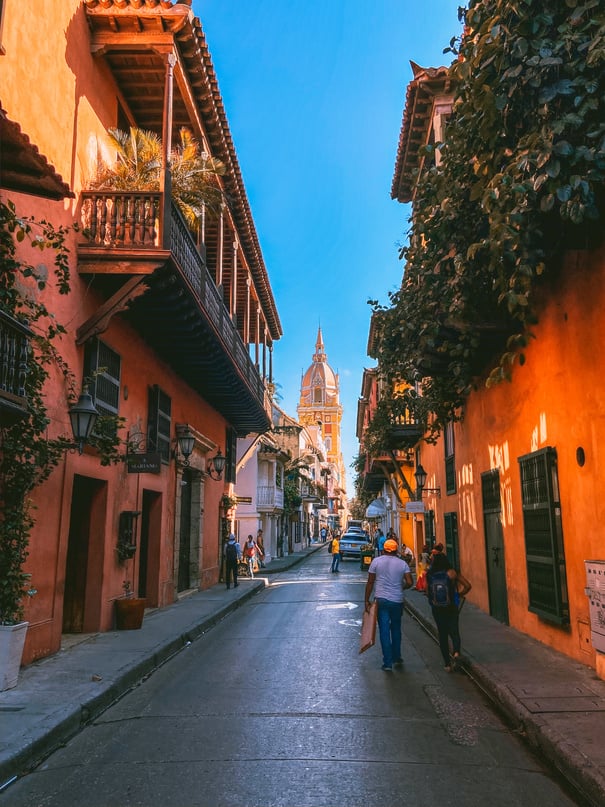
pixel 274 706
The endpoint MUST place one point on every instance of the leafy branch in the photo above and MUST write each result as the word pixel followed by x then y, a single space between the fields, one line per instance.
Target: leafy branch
pixel 520 179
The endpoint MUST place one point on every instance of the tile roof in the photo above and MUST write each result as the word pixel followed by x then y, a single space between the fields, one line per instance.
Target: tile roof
pixel 415 126
pixel 23 168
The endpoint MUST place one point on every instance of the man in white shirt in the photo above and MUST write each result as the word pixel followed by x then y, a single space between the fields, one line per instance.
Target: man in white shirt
pixel 389 575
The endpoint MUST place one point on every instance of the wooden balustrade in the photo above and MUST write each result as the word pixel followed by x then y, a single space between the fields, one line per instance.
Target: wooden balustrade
pixel 123 219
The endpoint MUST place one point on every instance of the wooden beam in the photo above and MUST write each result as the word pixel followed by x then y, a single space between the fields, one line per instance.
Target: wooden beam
pixel 100 320
pixel 401 476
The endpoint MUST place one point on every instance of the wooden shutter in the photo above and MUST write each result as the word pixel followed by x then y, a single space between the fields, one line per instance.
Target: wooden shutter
pixel 450 522
pixel 159 422
pixel 545 557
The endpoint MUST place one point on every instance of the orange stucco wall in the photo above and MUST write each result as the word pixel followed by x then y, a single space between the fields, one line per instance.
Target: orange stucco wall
pixel 64 100
pixel 557 398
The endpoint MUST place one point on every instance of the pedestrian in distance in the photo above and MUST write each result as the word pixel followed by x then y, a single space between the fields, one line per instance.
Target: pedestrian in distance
pixel 446 589
pixel 251 554
pixel 233 554
pixel 335 547
pixel 389 576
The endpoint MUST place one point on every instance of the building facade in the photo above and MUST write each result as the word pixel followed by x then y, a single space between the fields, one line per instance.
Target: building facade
pixel 511 487
pixel 169 325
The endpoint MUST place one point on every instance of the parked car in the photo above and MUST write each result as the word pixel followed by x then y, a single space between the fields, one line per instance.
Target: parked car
pixel 351 543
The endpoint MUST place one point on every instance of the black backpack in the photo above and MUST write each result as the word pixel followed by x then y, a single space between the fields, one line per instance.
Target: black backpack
pixel 440 590
pixel 231 553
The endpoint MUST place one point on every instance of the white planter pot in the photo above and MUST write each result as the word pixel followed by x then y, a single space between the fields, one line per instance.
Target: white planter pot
pixel 12 639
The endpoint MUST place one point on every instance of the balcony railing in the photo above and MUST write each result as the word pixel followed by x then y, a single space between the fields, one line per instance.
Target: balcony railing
pixel 115 221
pixel 120 219
pixel 14 354
pixel 269 497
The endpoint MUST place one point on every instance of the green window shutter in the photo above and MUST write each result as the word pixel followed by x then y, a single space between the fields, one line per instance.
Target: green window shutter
pixel 159 422
pixel 450 463
pixel 450 523
pixel 545 557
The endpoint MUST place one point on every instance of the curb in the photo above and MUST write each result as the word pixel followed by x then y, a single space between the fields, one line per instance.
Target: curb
pixel 35 750
pixel 574 767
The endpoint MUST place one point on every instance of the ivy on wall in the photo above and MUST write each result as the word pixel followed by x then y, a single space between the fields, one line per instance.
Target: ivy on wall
pixel 520 179
pixel 27 454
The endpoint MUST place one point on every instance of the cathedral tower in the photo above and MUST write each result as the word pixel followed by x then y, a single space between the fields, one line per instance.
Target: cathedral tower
pixel 320 405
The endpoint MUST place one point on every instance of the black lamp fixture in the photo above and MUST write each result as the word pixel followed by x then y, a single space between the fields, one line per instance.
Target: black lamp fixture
pixel 420 476
pixel 185 441
pixel 83 416
pixel 216 466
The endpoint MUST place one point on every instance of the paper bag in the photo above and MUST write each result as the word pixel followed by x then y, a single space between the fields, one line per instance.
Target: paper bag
pixel 368 628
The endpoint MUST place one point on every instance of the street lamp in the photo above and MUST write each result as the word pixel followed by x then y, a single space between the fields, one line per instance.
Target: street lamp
pixel 216 466
pixel 420 476
pixel 185 442
pixel 83 416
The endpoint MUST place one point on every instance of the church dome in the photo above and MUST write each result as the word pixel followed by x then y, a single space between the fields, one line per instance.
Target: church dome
pixel 319 384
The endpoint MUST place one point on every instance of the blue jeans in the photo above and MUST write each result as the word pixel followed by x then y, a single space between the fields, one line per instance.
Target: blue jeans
pixel 335 561
pixel 389 628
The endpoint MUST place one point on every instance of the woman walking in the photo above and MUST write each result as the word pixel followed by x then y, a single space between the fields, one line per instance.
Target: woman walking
pixel 445 588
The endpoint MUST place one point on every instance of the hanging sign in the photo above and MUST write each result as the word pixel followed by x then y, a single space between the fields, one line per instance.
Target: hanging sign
pixel 150 463
pixel 414 507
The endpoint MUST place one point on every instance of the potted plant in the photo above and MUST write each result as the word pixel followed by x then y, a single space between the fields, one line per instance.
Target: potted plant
pixel 129 609
pixel 138 166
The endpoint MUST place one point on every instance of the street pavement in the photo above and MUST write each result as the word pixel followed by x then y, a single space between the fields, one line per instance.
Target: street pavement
pixel 556 704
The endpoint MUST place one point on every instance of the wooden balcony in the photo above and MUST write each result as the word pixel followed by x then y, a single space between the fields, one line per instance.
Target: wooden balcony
pixel 148 268
pixel 269 498
pixel 14 354
pixel 405 431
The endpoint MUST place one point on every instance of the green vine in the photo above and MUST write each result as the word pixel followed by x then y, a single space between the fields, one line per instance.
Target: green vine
pixel 27 454
pixel 520 180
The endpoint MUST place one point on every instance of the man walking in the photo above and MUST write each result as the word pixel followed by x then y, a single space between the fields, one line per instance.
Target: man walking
pixel 390 576
pixel 335 554
pixel 233 554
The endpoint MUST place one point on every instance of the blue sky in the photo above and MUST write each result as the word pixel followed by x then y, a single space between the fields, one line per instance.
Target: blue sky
pixel 314 93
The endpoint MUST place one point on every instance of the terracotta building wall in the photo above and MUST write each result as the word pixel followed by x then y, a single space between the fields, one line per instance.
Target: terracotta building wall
pixel 556 399
pixel 64 99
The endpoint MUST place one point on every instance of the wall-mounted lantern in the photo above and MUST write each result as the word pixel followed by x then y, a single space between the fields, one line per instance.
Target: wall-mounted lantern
pixel 420 476
pixel 83 416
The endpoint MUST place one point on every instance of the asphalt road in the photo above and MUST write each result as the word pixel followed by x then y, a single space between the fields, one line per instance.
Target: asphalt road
pixel 274 706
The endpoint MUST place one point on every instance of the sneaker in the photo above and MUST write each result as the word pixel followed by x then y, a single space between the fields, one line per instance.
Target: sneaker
pixel 398 662
pixel 386 668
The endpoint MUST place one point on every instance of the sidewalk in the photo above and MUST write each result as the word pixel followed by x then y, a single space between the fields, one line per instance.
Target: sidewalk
pixel 556 703
pixel 58 695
